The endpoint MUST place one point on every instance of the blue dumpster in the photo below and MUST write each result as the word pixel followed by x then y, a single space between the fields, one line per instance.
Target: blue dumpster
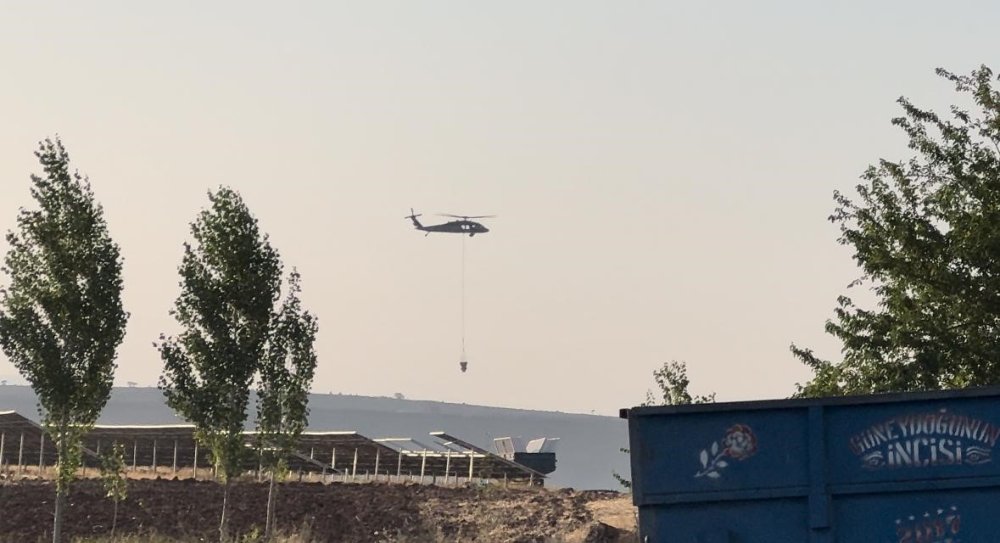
pixel 894 468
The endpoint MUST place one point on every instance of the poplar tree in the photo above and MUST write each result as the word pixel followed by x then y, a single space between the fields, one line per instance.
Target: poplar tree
pixel 286 376
pixel 230 282
pixel 114 480
pixel 61 315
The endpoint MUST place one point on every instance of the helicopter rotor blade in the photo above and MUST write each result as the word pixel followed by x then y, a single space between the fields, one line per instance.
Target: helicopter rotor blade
pixel 467 216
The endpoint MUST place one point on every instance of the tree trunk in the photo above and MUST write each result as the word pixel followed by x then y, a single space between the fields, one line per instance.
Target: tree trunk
pixel 57 521
pixel 224 520
pixel 114 520
pixel 272 497
pixel 61 489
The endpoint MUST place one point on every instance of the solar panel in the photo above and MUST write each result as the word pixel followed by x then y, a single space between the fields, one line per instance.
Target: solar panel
pixel 344 453
pixel 504 446
pixel 542 445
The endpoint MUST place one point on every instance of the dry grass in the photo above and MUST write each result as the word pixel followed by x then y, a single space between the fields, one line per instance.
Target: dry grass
pixel 255 537
pixel 15 473
pixel 617 512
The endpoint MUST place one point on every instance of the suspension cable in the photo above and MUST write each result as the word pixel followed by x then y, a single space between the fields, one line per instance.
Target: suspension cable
pixel 463 298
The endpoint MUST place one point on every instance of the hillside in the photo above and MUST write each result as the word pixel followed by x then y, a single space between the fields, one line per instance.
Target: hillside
pixel 588 450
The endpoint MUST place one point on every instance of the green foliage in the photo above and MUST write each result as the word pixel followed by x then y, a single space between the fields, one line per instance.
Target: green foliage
pixel 230 280
pixel 926 235
pixel 113 473
pixel 61 317
pixel 626 483
pixel 113 479
pixel 672 381
pixel 69 447
pixel 286 376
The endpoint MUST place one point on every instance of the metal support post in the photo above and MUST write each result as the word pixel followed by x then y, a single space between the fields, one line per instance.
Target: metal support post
pixel 423 464
pixel 447 467
pixel 354 470
pixel 20 454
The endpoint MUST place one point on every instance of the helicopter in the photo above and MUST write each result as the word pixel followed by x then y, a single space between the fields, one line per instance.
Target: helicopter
pixel 462 226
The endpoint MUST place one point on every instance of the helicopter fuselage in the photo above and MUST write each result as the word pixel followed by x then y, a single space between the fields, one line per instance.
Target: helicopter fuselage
pixel 452 227
pixel 456 227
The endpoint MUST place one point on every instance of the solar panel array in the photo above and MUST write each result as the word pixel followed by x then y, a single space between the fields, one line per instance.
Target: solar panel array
pixel 347 456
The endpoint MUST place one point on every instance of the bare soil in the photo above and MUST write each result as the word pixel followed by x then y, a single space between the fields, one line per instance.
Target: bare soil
pixel 380 513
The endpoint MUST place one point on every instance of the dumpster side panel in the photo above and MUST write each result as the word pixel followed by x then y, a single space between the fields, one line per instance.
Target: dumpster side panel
pixel 783 520
pixel 968 516
pixel 713 452
pixel 945 439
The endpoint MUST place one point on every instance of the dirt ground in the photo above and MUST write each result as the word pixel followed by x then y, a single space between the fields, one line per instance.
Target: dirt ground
pixel 337 512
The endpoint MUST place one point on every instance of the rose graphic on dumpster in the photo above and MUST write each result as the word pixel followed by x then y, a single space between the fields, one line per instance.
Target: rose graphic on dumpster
pixel 739 443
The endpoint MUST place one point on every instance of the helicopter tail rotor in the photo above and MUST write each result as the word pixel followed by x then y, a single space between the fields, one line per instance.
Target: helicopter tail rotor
pixel 413 217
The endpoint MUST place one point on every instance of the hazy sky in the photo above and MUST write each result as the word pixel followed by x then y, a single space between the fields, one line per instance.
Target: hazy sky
pixel 662 172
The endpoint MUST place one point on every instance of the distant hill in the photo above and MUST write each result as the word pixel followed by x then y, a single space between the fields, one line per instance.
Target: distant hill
pixel 588 448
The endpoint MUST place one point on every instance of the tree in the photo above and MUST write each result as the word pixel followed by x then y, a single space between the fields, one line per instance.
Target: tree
pixel 61 317
pixel 926 235
pixel 230 282
pixel 673 382
pixel 113 479
pixel 285 379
